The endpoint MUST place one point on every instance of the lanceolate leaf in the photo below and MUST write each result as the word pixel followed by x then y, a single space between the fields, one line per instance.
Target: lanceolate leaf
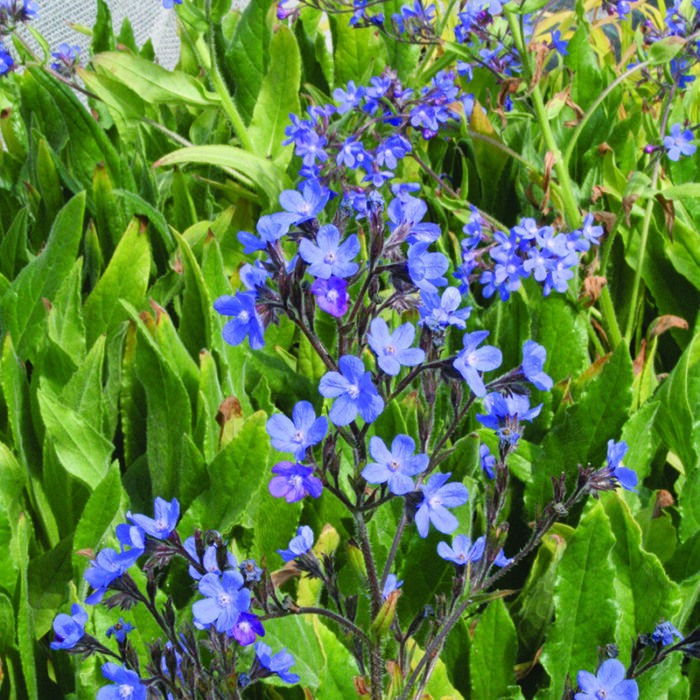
pixel 584 599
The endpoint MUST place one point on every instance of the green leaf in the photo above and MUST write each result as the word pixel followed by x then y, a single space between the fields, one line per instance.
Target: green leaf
pixel 48 576
pixel 22 309
pixel 248 55
pixel 689 190
pixel 13 246
pixel 584 596
pixel 662 51
pixel 279 96
pixel 48 179
pixel 639 435
pixel 7 625
pixel 109 219
pixel 582 60
pixel 357 53
pixel 102 34
pixel 643 591
pixel 126 277
pixel 252 170
pixel 65 323
pixel 25 620
pixel 493 652
pixel 152 82
pixel 581 433
pixel 81 449
pixel 83 393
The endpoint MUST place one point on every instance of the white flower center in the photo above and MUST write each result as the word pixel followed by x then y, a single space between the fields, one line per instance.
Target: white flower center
pixel 434 501
pixel 126 691
pixel 295 481
pixel 244 627
pixel 332 296
pixel 353 391
pixel 244 316
pixel 224 600
pixel 330 258
pixel 389 349
pixel 298 437
pixel 394 465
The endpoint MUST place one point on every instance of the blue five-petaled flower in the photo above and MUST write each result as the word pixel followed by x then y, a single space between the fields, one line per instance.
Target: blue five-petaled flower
pixel 69 629
pixel 394 349
pixel 328 256
pixel 473 360
pixel 438 496
pixel 396 466
pixel 225 600
pixel 128 684
pixel 298 434
pixel 608 683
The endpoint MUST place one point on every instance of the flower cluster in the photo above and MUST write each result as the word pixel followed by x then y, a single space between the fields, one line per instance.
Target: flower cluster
pixel 14 12
pixel 66 59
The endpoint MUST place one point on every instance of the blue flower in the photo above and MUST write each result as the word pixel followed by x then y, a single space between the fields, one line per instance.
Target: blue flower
pixel 245 322
pixel 301 544
pixel 395 466
pixel 280 663
pixel 394 349
pixel 627 478
pixel 6 60
pixel 350 98
pixel 558 44
pixel 250 570
pixel 504 414
pixel 128 684
pixel 437 498
pixel 353 390
pixel 426 269
pixel 304 206
pixel 608 683
pixel 679 143
pixel 488 461
pixel 332 295
pixel 390 585
pixel 309 145
pixel 328 257
pixel 462 550
pixel 164 659
pixel 534 357
pixel 293 482
pixel 664 634
pixel 473 360
pixel 406 221
pixel 69 629
pixel 247 627
pixel 120 630
pixel 66 58
pixel 393 150
pixel 501 559
pixel 439 312
pixel 352 154
pixel 225 600
pixel 108 566
pixel 297 435
pixel 210 559
pixel 166 517
pixel 270 230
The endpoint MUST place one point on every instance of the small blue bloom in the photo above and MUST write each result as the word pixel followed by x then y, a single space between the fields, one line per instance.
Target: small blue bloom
pixel 534 357
pixel 473 360
pixel 120 630
pixel 558 44
pixel 66 58
pixel 505 413
pixel 438 496
pixel 245 322
pixel 352 154
pixel 501 559
pixel 310 146
pixel 488 461
pixel 608 683
pixel 439 312
pixel 210 559
pixel 302 206
pixel 393 349
pixel 390 585
pixel 280 663
pixel 105 568
pixel 164 522
pixel 353 390
pixel 462 550
pixel 247 627
pixel 679 143
pixel 350 98
pixel 328 257
pixel 164 661
pixel 395 466
pixel 426 269
pixel 225 600
pixel 301 544
pixel 270 230
pixel 332 295
pixel 250 570
pixel 391 151
pixel 627 478
pixel 69 629
pixel 169 4
pixel 297 435
pixel 128 684
pixel 406 221
pixel 6 60
pixel 293 482
pixel 664 633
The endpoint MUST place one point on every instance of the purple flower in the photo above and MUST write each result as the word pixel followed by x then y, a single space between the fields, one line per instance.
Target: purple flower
pixel 390 585
pixel 166 517
pixel 332 295
pixel 301 544
pixel 128 684
pixel 437 498
pixel 69 629
pixel 328 257
pixel 280 663
pixel 664 634
pixel 439 312
pixel 245 322
pixel 426 269
pixel 225 600
pixel 488 461
pixel 608 683
pixel 120 630
pixel 352 154
pixel 304 206
pixel 353 390
pixel 395 466
pixel 246 628
pixel 471 361
pixel 293 482
pixel 627 478
pixel 297 435
pixel 462 550
pixel 394 349
pixel 534 357
pixel 270 230
pixel 679 143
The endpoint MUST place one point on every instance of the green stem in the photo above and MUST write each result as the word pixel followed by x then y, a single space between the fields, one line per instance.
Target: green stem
pixel 571 212
pixel 608 311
